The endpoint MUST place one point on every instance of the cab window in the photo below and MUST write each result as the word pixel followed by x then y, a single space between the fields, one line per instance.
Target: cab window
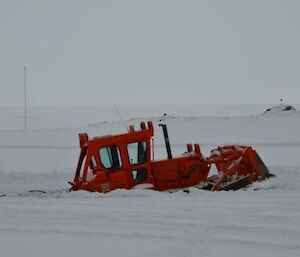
pixel 137 152
pixel 110 157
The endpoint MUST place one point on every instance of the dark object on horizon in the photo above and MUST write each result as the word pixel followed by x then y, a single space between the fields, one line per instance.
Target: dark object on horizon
pixel 282 108
pixel 289 108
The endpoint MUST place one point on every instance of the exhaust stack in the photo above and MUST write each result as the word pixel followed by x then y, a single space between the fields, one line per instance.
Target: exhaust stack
pixel 167 141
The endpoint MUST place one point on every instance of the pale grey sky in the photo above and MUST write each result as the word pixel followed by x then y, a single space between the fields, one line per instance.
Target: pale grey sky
pixel 117 51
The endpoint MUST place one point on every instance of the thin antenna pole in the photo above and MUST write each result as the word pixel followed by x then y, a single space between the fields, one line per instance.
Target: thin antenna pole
pixel 25 99
pixel 120 115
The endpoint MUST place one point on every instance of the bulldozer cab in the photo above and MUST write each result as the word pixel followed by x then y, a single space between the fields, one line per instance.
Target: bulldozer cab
pixel 119 161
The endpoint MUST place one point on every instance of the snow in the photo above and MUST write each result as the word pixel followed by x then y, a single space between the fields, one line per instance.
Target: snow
pixel 262 220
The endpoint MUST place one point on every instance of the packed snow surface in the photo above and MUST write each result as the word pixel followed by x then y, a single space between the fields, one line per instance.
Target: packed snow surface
pixel 262 220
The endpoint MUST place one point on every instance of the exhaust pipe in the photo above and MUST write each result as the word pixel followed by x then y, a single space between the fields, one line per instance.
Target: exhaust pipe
pixel 167 141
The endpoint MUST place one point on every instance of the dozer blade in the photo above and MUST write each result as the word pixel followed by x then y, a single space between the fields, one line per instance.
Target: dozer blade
pixel 262 169
pixel 234 185
pixel 237 184
pixel 263 173
pixel 238 166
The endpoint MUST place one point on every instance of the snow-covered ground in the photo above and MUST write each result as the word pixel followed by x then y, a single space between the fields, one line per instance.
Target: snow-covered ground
pixel 263 220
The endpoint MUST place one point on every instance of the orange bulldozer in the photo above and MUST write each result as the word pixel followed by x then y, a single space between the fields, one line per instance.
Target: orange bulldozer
pixel 127 161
